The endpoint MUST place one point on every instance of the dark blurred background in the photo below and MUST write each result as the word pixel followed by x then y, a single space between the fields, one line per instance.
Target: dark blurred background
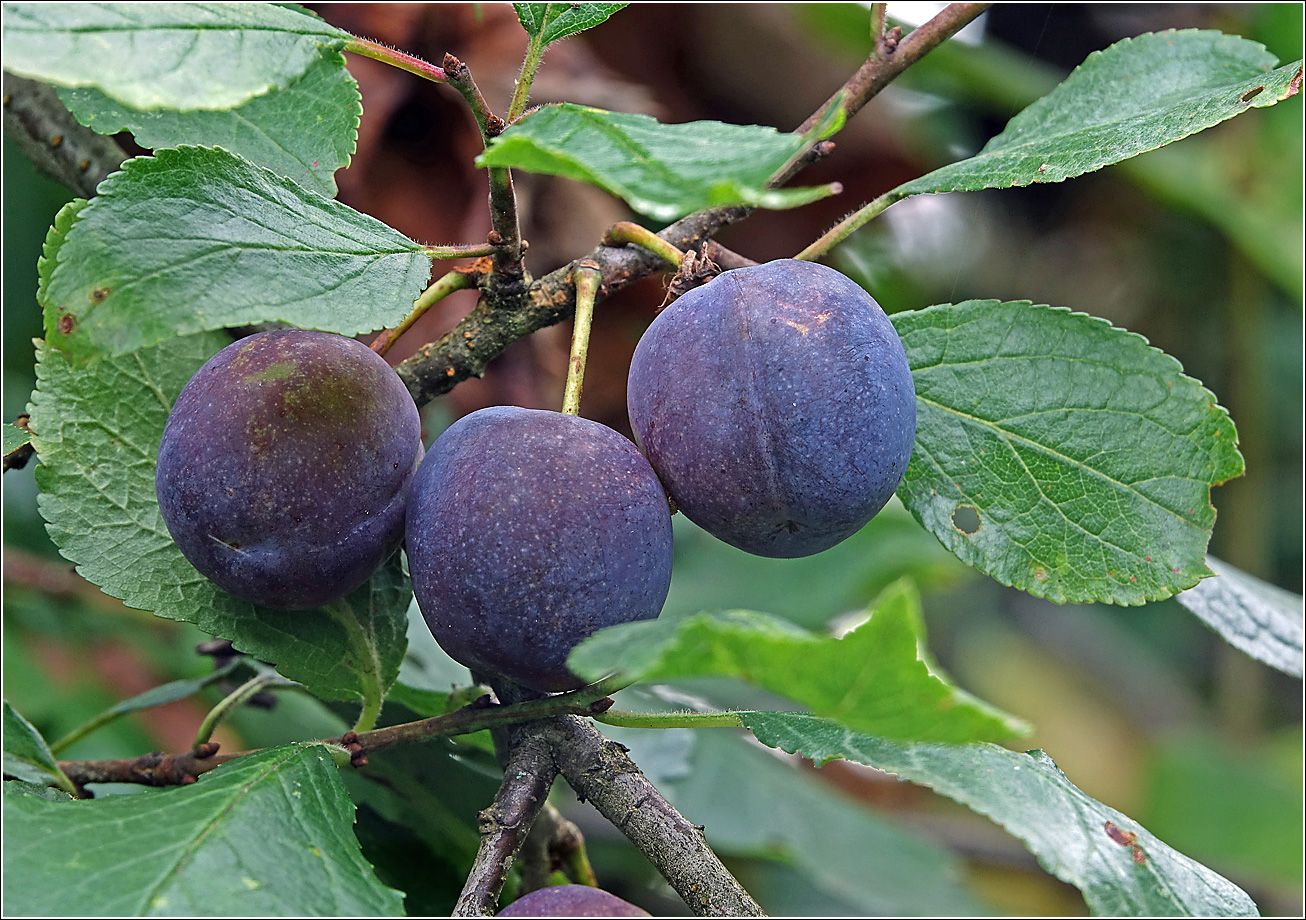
pixel 1198 247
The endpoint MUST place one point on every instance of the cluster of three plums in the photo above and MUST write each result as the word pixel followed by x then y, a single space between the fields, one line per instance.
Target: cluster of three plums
pixel 773 405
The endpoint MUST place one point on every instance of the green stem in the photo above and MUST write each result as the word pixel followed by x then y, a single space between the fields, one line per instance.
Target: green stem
pixel 879 12
pixel 362 641
pixel 625 232
pixel 378 52
pixel 529 64
pixel 460 251
pixel 446 285
pixel 846 227
pixel 228 703
pixel 624 719
pixel 587 277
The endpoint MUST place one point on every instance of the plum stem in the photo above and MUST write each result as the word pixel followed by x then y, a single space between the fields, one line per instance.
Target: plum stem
pixel 379 52
pixel 624 719
pixel 232 700
pixel 625 232
pixel 455 280
pixel 529 65
pixel 588 278
pixel 846 227
pixel 879 12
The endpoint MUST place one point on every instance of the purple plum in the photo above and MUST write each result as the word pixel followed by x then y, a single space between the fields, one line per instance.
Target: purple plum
pixel 776 405
pixel 571 901
pixel 285 466
pixel 527 532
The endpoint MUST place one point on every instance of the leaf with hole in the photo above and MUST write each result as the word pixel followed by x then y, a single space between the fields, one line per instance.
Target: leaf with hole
pixel 1061 455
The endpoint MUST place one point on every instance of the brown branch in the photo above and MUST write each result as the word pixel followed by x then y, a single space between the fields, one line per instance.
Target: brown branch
pixel 158 769
pixel 58 146
pixel 600 772
pixel 506 283
pixel 506 823
pixel 482 335
pixel 155 769
pixel 892 56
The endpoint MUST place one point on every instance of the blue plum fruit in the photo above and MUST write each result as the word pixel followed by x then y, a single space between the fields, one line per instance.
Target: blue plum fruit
pixel 776 405
pixel 285 466
pixel 528 531
pixel 571 901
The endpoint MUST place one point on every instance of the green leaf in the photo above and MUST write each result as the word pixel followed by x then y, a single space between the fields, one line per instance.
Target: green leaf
pixel 1251 615
pixel 269 834
pixel 1032 799
pixel 27 757
pixel 663 171
pixel 178 56
pixel 304 131
pixel 1077 459
pixel 196 238
pixel 1140 94
pixel 15 438
pixel 873 679
pixel 552 21
pixel 98 432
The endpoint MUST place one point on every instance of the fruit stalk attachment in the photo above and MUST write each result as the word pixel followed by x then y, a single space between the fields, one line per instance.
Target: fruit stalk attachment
pixel 588 278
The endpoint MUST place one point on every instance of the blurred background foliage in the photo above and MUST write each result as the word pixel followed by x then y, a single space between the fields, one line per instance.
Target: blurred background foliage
pixel 1197 246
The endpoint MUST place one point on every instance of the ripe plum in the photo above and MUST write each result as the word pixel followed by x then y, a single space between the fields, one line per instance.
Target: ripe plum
pixel 528 531
pixel 776 405
pixel 285 465
pixel 571 901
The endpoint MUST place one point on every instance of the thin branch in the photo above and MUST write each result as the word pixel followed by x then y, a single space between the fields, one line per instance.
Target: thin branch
pixel 505 824
pixel 60 148
pixel 158 769
pixel 460 78
pixel 506 284
pixel 891 58
pixel 600 772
